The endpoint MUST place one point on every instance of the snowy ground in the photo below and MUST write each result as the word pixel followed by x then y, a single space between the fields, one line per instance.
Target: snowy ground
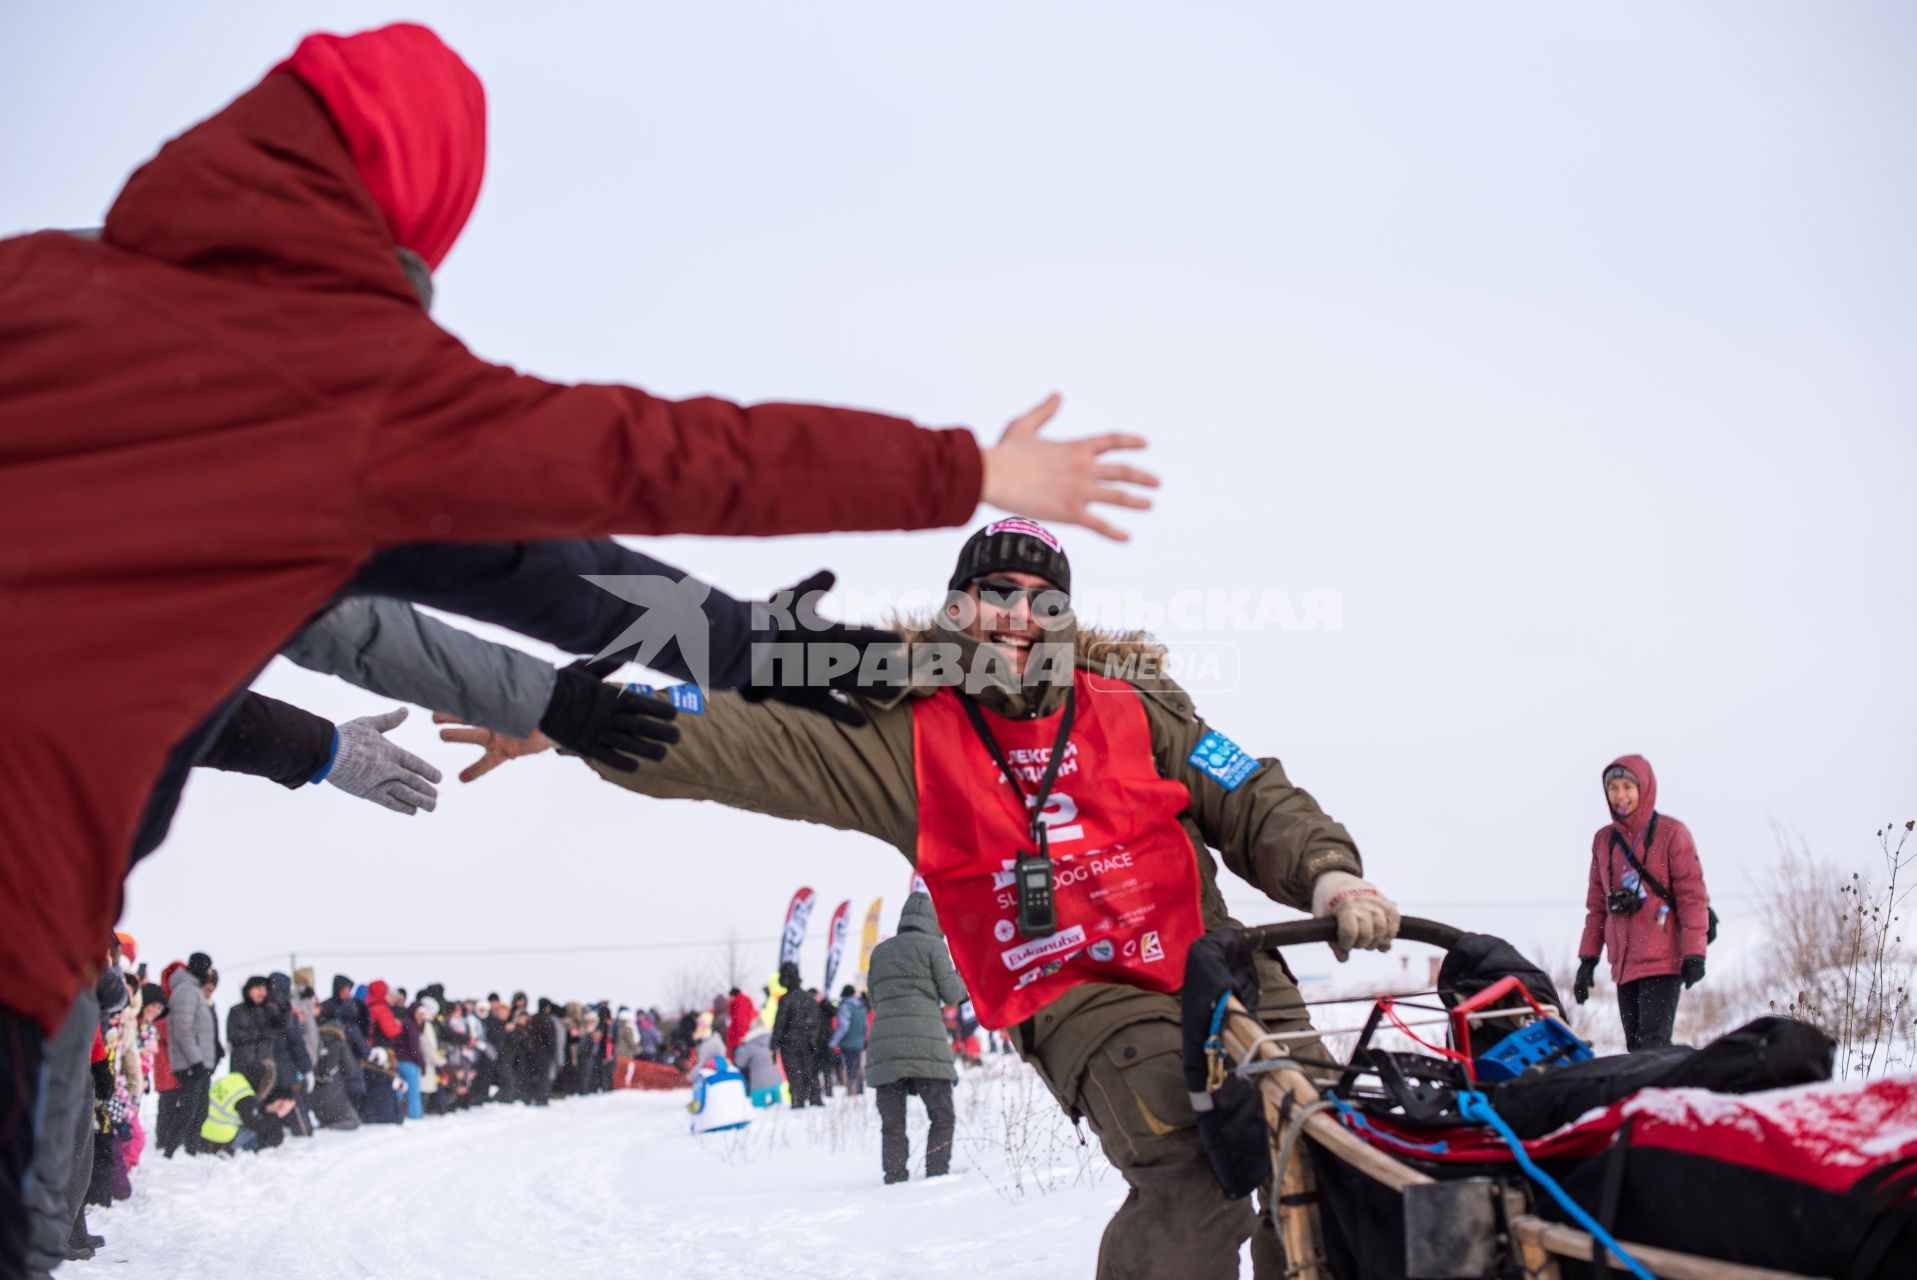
pixel 614 1185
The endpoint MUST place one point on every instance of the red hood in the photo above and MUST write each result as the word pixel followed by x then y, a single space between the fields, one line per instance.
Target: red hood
pixel 376 993
pixel 413 115
pixel 166 975
pixel 310 178
pixel 1633 826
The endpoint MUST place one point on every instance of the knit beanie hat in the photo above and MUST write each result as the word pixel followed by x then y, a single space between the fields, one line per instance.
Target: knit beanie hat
pixel 1014 545
pixel 200 965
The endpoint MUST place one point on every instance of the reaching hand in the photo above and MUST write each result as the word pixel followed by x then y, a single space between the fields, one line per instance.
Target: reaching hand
pixel 607 722
pixel 1587 970
pixel 1059 480
pixel 834 661
pixel 368 765
pixel 498 748
pixel 1367 920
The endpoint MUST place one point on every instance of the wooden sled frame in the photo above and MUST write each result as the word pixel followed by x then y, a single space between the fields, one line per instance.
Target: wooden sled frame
pixel 1295 1112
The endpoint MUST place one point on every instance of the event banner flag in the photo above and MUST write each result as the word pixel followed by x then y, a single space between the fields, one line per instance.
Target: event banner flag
pixel 870 940
pixel 796 918
pixel 835 944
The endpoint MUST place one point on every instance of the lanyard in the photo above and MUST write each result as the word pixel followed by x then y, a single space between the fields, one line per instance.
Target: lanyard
pixel 1651 882
pixel 1035 804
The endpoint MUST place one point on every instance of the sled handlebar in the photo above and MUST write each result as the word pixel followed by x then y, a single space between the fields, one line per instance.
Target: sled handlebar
pixel 1297 932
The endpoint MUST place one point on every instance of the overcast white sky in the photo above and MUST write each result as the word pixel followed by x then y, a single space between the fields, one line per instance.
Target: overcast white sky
pixel 1570 344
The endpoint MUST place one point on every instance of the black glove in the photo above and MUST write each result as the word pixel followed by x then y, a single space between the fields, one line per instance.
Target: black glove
pixel 1587 970
pixel 1693 970
pixel 606 722
pixel 805 661
pixel 102 1080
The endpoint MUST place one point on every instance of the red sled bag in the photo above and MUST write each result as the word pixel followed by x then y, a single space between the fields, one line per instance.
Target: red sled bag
pixel 1818 1179
pixel 1815 1179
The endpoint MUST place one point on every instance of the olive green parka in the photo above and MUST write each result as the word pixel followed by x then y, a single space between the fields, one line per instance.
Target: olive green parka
pixel 775 759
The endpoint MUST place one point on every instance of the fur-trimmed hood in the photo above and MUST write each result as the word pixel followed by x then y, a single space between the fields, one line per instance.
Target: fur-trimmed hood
pixel 938 652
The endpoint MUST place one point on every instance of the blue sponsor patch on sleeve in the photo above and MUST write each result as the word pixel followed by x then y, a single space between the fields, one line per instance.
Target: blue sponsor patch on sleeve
pixel 1223 760
pixel 688 698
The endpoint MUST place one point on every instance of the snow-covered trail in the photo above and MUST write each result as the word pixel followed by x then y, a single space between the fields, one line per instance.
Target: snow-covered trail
pixel 614 1185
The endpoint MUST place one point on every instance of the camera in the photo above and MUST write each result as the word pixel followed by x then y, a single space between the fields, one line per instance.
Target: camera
pixel 1624 902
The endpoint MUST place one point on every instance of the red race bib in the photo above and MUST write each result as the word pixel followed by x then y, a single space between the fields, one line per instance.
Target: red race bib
pixel 1125 874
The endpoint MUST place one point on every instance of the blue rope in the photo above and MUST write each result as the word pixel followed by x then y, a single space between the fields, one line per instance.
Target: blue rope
pixel 1475 1106
pixel 1356 1119
pixel 1218 1014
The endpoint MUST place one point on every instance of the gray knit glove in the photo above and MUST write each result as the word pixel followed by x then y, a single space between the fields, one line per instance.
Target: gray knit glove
pixel 367 765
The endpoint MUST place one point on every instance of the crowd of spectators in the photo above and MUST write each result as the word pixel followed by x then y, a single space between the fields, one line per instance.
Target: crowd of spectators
pixel 286 1061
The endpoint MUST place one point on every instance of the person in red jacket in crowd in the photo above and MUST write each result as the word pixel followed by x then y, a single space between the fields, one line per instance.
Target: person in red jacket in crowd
pixel 387 1028
pixel 740 1015
pixel 214 412
pixel 167 1122
pixel 1645 904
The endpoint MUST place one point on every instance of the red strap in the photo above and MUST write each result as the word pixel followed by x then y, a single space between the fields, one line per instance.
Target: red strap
pixel 1462 1011
pixel 1386 1007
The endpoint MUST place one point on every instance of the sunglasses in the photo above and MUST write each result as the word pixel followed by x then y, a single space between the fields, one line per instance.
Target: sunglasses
pixel 1005 594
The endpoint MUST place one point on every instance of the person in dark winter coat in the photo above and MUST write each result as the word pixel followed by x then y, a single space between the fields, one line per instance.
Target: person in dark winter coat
pixel 795 1037
pixel 848 1037
pixel 539 1056
pixel 493 1075
pixel 382 1103
pixel 1654 926
pixel 344 1013
pixel 826 1060
pixel 333 1102
pixel 911 980
pixel 291 1062
pixel 250 1028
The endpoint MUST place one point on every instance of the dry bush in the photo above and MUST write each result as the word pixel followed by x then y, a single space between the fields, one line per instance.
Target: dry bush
pixel 1004 1109
pixel 1837 956
pixel 689 990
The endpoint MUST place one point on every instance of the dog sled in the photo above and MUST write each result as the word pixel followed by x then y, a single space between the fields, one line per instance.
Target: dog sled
pixel 1468 1133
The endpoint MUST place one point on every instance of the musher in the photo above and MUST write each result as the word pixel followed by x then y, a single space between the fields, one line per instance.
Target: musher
pixel 1019 740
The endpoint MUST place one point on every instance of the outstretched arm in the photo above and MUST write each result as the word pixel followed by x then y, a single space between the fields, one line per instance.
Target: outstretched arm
pixel 392 649
pixel 773 759
pixel 536 459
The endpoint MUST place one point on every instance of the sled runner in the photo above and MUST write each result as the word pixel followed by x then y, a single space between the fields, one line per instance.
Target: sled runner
pixel 1502 1147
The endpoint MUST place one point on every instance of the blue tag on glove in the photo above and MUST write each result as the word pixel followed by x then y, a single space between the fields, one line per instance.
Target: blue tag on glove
pixel 1223 760
pixel 688 698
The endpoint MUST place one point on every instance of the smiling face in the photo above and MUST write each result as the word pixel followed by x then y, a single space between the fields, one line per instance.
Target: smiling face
pixel 1622 793
pixel 1002 614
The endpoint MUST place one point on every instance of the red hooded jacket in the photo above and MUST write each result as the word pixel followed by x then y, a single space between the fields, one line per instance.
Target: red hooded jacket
pixel 1653 940
pixel 385 1021
pixel 163 1078
pixel 213 414
pixel 739 1018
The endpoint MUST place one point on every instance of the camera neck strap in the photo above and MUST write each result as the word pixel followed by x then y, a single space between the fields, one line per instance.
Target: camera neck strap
pixel 1644 873
pixel 1035 804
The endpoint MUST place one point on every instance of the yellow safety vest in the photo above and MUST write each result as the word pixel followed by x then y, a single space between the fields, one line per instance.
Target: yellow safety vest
pixel 223 1108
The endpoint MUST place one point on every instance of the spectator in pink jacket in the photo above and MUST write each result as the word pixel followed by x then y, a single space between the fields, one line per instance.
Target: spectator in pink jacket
pixel 1646 905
